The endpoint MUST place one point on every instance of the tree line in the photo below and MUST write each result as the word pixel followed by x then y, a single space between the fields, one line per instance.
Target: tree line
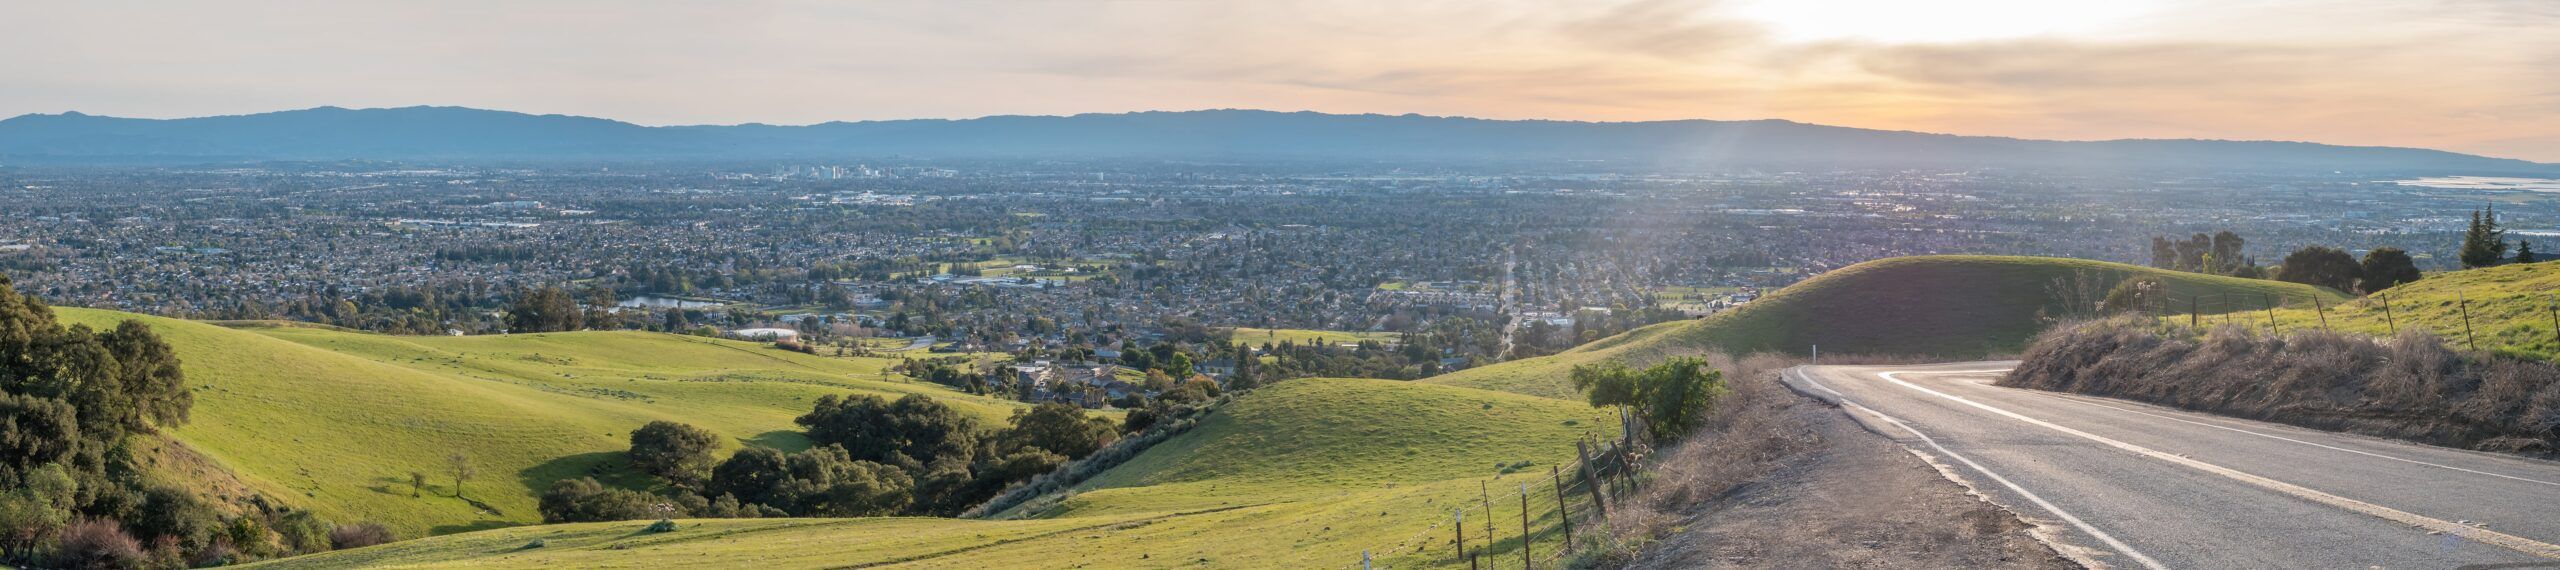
pixel 870 457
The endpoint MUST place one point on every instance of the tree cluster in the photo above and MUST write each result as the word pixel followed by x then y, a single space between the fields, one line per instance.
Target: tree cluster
pixel 873 457
pixel 1672 397
pixel 2222 253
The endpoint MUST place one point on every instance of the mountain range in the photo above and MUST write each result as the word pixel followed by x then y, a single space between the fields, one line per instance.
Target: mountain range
pixel 466 134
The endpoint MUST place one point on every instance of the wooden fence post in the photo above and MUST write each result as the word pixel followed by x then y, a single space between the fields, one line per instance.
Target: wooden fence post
pixel 2387 319
pixel 2465 304
pixel 2193 318
pixel 2324 313
pixel 2272 329
pixel 2555 322
pixel 1591 479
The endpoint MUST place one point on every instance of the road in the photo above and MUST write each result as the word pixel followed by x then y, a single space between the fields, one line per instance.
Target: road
pixel 2131 485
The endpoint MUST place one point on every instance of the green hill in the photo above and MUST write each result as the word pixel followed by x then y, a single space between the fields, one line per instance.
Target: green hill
pixel 1308 473
pixel 1951 306
pixel 1305 473
pixel 334 421
pixel 2510 307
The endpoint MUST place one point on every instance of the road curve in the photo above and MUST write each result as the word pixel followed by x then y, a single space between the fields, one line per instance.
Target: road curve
pixel 2131 485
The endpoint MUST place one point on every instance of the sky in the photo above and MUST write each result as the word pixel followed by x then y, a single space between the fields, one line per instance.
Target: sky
pixel 2477 76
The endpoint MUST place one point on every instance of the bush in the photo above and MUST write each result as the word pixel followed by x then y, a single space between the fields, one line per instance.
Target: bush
pixel 678 453
pixel 663 525
pixel 585 500
pixel 1671 396
pixel 359 535
pixel 175 512
pixel 98 543
pixel 1060 428
pixel 303 532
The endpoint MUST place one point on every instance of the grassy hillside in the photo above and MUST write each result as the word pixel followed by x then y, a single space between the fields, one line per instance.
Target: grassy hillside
pixel 1947 306
pixel 2510 309
pixel 334 421
pixel 1306 473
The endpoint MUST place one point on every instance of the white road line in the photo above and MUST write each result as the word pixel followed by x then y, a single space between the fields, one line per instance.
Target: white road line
pixel 2313 444
pixel 2508 541
pixel 2031 496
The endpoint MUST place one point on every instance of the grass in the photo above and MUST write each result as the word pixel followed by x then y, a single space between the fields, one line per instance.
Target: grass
pixel 1944 306
pixel 334 421
pixel 1306 336
pixel 1305 473
pixel 1311 472
pixel 2510 308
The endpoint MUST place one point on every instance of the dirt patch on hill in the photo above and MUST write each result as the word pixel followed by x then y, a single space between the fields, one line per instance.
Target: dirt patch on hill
pixel 1783 480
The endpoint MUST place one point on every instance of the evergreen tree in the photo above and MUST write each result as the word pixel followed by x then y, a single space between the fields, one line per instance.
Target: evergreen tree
pixel 2524 252
pixel 2483 244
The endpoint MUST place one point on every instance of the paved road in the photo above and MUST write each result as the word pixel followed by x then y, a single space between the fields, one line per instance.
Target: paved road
pixel 2133 485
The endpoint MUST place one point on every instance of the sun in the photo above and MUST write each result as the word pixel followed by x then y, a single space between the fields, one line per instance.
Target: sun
pixel 1937 21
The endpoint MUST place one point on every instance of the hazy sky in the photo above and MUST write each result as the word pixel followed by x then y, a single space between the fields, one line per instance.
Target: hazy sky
pixel 2478 76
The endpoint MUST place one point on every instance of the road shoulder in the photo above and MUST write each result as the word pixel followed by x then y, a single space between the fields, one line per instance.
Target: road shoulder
pixel 1848 497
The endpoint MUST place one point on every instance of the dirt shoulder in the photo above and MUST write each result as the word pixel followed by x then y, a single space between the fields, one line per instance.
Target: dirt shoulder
pixel 1825 492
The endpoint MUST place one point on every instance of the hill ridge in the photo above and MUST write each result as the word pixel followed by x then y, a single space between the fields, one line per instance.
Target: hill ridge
pixel 463 133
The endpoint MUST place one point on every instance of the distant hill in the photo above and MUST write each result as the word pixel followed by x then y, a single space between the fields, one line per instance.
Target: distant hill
pixel 1946 306
pixel 462 134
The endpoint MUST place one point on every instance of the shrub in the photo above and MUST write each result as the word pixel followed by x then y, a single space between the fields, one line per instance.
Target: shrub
pixel 673 451
pixel 176 512
pixel 663 525
pixel 585 500
pixel 1671 396
pixel 359 535
pixel 303 532
pixel 98 543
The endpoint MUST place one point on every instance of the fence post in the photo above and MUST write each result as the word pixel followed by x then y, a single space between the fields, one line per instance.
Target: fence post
pixel 2194 319
pixel 2465 304
pixel 2272 329
pixel 2555 323
pixel 1564 515
pixel 2324 313
pixel 1461 526
pixel 1591 479
pixel 2387 319
pixel 1524 527
pixel 1491 535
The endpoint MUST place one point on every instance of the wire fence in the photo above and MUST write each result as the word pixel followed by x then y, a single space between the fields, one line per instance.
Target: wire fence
pixel 1525 522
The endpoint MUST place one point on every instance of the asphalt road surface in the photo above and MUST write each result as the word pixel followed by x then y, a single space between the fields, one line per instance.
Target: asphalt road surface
pixel 2130 485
